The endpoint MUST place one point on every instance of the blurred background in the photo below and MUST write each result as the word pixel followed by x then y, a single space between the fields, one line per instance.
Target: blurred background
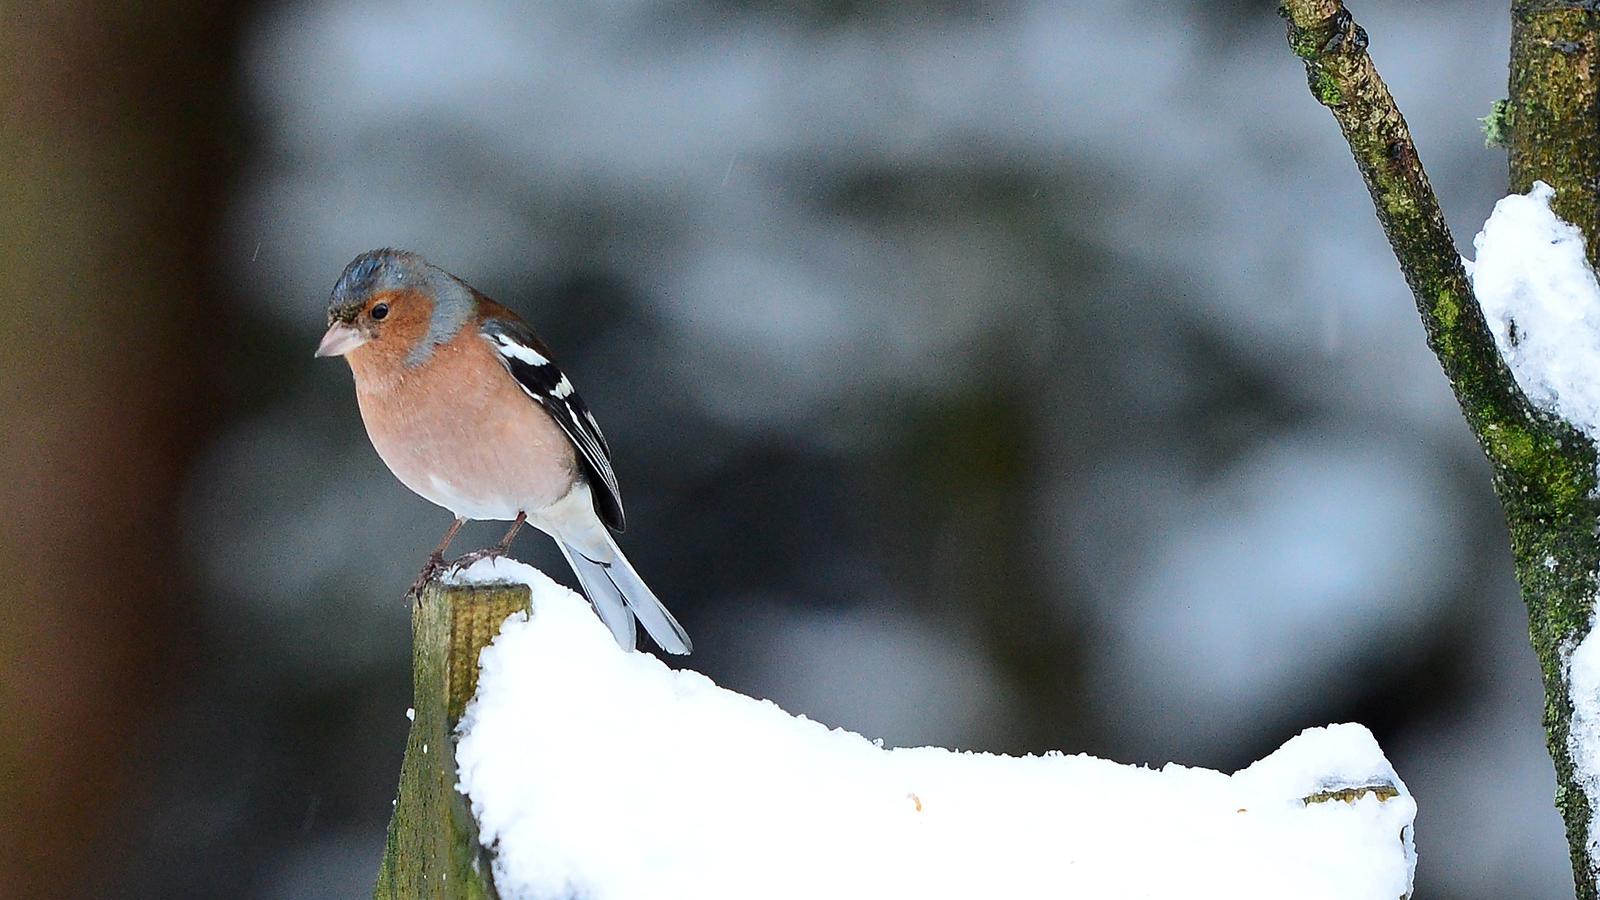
pixel 1011 376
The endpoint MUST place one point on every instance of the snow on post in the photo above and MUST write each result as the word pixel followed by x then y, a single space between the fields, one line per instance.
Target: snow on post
pixel 607 775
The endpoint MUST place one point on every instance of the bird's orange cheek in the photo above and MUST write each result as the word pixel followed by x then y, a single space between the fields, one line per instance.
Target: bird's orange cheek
pixel 403 330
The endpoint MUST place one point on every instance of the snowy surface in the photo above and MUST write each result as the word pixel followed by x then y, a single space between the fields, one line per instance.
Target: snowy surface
pixel 607 775
pixel 1541 299
pixel 1583 741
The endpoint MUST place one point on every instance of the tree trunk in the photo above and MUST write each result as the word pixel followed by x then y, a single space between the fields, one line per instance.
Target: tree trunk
pixel 1554 137
pixel 115 129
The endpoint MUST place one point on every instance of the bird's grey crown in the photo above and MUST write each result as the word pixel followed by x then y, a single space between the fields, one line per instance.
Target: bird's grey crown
pixel 376 270
pixel 388 269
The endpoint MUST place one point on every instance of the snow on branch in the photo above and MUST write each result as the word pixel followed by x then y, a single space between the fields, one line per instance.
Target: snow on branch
pixel 607 775
pixel 1542 302
pixel 1583 740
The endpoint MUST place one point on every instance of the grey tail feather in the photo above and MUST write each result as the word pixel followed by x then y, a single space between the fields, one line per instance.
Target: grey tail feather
pixel 653 615
pixel 607 600
pixel 617 581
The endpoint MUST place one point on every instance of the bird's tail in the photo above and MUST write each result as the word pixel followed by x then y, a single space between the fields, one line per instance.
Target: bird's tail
pixel 619 595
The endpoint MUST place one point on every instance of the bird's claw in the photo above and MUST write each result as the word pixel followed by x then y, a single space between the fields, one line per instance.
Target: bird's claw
pixel 430 570
pixel 467 559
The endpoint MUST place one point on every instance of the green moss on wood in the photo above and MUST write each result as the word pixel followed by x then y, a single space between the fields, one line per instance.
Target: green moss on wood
pixel 1447 309
pixel 1326 88
pixel 432 849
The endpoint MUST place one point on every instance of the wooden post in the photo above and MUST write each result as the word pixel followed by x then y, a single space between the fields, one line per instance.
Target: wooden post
pixel 433 848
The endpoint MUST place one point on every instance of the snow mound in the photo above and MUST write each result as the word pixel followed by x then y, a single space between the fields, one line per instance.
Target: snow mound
pixel 1542 303
pixel 607 775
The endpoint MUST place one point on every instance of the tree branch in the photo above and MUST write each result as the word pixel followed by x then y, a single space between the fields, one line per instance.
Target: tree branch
pixel 1544 469
pixel 1343 78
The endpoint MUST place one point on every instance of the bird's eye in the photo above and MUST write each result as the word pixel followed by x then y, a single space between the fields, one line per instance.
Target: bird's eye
pixel 379 311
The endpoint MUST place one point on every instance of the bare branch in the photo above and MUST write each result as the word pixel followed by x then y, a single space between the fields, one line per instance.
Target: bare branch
pixel 1343 78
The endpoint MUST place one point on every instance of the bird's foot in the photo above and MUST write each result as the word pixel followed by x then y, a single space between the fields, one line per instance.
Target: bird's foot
pixel 430 571
pixel 466 559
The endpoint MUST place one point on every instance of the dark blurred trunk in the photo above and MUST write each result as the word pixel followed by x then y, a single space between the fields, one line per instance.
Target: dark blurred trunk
pixel 115 154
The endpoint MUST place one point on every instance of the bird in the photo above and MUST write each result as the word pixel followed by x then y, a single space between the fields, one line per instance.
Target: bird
pixel 468 409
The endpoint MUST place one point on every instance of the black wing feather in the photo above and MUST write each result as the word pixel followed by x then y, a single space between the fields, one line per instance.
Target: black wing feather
pixel 530 363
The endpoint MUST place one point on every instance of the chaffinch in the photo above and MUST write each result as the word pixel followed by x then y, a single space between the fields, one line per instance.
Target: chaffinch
pixel 468 409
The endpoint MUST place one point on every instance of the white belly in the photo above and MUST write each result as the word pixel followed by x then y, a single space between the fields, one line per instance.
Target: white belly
pixel 441 492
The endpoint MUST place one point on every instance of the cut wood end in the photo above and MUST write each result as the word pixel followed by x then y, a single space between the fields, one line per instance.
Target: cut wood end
pixel 1383 791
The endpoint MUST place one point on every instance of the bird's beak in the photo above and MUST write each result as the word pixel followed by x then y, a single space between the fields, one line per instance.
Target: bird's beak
pixel 340 339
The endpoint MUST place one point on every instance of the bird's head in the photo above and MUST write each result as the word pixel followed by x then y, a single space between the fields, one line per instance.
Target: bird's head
pixel 397 301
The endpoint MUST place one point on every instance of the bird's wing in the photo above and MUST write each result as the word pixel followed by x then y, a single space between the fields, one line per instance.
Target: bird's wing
pixel 526 358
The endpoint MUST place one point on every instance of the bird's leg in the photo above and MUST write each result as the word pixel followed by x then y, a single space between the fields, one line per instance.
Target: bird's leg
pixel 500 549
pixel 504 547
pixel 435 560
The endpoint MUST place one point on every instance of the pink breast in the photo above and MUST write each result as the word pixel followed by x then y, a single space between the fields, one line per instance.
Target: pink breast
pixel 475 445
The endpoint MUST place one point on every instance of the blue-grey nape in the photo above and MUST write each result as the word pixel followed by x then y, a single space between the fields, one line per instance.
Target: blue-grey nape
pixel 385 269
